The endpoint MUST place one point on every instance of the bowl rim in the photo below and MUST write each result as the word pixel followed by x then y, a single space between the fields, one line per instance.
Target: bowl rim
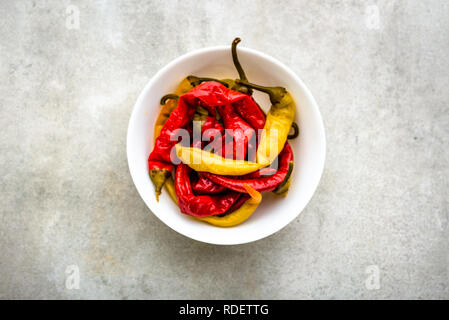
pixel 307 93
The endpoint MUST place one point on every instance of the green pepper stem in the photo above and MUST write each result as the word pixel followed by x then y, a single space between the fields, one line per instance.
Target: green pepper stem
pixel 295 131
pixel 169 96
pixel 236 61
pixel 195 81
pixel 276 93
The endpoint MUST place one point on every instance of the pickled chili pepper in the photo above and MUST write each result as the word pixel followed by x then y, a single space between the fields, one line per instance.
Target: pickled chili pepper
pixel 208 95
pixel 250 111
pixel 239 215
pixel 170 186
pixel 159 163
pixel 242 133
pixel 204 185
pixel 202 205
pixel 278 122
pixel 282 190
pixel 205 161
pixel 264 172
pixel 212 133
pixel 262 184
pixel 169 102
pixel 237 204
pixel 277 126
pixel 207 186
pixel 159 172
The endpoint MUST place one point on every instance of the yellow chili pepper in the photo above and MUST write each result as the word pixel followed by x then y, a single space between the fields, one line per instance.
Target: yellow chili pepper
pixel 278 123
pixel 239 215
pixel 170 186
pixel 201 160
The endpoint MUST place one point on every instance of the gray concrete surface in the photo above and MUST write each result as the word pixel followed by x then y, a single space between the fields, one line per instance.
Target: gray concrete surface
pixel 377 226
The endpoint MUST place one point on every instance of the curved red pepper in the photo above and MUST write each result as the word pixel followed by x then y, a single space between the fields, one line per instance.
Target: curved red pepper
pixel 264 172
pixel 261 184
pixel 238 203
pixel 209 137
pixel 242 132
pixel 209 95
pixel 250 111
pixel 207 186
pixel 203 205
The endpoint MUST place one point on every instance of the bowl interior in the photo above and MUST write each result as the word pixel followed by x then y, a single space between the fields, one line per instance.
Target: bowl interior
pixel 309 148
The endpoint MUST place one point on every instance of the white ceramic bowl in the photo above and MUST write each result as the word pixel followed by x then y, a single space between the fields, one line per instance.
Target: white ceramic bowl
pixel 275 212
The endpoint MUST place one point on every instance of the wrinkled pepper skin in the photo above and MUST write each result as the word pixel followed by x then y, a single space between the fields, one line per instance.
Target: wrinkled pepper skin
pixel 240 215
pixel 184 87
pixel 261 184
pixel 203 205
pixel 251 112
pixel 207 186
pixel 237 204
pixel 209 95
pixel 243 133
pixel 212 134
pixel 159 164
pixel 160 171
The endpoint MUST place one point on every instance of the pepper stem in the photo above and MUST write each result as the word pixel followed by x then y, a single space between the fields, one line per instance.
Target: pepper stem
pixel 295 131
pixel 195 81
pixel 276 93
pixel 169 96
pixel 236 61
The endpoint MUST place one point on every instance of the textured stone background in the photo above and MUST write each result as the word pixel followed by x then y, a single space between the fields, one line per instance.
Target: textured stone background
pixel 67 198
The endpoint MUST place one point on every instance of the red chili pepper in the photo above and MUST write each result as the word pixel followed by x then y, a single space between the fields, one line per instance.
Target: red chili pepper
pixel 264 172
pixel 238 203
pixel 155 164
pixel 250 111
pixel 209 95
pixel 242 132
pixel 261 184
pixel 207 186
pixel 179 118
pixel 211 134
pixel 203 205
